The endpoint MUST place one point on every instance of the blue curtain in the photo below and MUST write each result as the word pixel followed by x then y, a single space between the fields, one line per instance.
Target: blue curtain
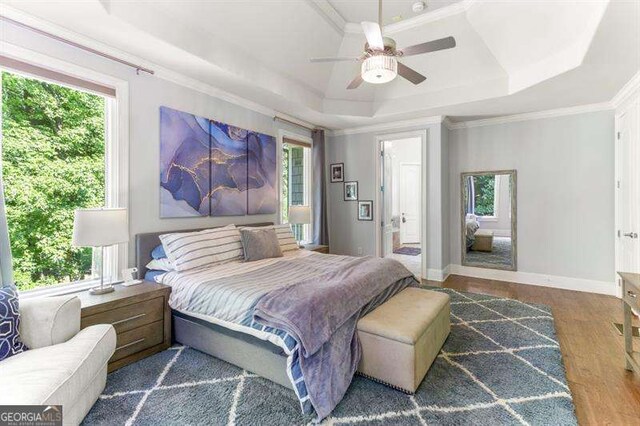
pixel 6 267
pixel 471 196
pixel 320 228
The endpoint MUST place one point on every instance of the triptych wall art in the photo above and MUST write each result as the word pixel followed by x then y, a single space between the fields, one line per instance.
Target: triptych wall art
pixel 208 168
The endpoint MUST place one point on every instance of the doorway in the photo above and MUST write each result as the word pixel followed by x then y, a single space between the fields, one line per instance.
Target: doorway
pixel 628 189
pixel 401 206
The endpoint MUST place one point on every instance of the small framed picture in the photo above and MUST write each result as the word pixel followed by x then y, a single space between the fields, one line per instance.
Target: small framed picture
pixel 365 210
pixel 351 191
pixel 337 172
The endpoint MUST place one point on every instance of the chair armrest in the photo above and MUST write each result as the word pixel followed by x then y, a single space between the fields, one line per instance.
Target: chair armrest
pixel 47 321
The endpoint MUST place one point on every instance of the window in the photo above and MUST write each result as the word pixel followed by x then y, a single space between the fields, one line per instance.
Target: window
pixel 55 147
pixel 296 183
pixel 486 189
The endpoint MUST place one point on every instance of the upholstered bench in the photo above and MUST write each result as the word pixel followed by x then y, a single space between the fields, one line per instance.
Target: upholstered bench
pixel 483 240
pixel 402 337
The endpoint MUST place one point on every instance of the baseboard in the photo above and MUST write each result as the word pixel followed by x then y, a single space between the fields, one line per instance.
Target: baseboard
pixel 438 274
pixel 543 280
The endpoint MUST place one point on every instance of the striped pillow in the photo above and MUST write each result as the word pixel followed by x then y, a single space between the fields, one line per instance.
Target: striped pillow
pixel 285 236
pixel 190 250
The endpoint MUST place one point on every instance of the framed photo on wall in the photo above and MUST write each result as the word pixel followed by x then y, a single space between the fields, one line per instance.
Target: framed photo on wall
pixel 337 172
pixel 351 191
pixel 365 210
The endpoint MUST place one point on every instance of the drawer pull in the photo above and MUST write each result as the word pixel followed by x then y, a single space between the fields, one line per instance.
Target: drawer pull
pixel 135 342
pixel 631 294
pixel 135 317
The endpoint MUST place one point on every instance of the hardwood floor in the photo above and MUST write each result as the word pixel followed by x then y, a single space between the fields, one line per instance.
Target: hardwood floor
pixel 604 392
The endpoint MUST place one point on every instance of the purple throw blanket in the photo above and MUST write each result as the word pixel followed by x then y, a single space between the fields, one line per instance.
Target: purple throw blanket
pixel 321 313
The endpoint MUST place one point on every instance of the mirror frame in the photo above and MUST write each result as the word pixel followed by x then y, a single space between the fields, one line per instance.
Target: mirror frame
pixel 513 180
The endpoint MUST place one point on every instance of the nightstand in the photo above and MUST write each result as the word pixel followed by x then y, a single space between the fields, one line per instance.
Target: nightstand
pixel 139 313
pixel 317 247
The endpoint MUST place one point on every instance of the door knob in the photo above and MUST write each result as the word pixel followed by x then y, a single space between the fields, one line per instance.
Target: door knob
pixel 630 234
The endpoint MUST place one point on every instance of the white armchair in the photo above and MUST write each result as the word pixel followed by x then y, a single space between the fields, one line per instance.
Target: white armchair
pixel 64 365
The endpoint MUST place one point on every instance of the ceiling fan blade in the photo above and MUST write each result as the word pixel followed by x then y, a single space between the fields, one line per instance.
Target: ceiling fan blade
pixel 430 46
pixel 342 59
pixel 355 83
pixel 373 34
pixel 413 76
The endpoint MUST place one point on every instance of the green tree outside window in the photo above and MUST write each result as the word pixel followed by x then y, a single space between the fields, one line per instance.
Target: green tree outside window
pixel 53 158
pixel 484 187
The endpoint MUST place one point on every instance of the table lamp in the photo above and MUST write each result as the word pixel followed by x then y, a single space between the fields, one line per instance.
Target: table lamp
pixel 100 228
pixel 299 215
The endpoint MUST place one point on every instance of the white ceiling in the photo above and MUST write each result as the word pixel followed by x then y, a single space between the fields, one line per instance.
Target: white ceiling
pixel 512 56
pixel 367 10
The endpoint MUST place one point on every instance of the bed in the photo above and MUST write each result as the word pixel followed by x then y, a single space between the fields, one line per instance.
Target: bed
pixel 251 353
pixel 211 309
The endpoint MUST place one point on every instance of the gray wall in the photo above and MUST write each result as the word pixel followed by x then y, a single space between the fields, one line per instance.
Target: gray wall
pixel 146 94
pixel 565 189
pixel 357 152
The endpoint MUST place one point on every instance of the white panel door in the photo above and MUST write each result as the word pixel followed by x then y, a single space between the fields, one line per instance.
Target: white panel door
pixel 409 203
pixel 629 189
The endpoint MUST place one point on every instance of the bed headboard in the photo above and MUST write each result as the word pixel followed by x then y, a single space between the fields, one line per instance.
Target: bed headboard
pixel 146 242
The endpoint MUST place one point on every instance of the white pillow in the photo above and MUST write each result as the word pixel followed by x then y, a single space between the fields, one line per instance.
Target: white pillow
pixel 190 250
pixel 163 264
pixel 285 236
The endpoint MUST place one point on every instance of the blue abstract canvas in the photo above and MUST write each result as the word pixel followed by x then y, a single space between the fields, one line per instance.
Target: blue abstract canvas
pixel 261 195
pixel 184 164
pixel 228 170
pixel 212 168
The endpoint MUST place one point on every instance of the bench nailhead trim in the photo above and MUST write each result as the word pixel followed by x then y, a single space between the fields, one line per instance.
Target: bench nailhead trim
pixel 398 388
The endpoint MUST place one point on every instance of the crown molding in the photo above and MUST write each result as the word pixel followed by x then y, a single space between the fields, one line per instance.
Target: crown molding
pixel 581 109
pixel 628 90
pixel 395 125
pixel 160 71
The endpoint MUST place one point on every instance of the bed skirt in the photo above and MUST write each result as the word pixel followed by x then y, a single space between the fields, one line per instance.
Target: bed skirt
pixel 243 350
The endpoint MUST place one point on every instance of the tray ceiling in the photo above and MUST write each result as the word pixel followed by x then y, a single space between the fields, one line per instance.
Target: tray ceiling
pixel 511 56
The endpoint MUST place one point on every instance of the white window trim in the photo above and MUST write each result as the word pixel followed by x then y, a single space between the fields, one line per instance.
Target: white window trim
pixel 496 202
pixel 116 155
pixel 308 198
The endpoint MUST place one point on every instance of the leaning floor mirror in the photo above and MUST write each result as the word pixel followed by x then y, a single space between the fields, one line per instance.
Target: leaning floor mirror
pixel 488 219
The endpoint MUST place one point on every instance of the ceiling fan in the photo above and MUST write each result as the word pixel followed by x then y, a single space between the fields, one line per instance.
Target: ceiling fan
pixel 380 57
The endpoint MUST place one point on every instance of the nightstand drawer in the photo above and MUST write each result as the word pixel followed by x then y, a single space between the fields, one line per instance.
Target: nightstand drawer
pixel 138 339
pixel 130 316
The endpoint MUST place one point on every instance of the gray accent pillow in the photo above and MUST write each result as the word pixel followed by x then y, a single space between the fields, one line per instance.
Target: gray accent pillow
pixel 260 244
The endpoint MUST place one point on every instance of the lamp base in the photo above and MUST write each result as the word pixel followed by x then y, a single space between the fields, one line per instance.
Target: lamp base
pixel 102 290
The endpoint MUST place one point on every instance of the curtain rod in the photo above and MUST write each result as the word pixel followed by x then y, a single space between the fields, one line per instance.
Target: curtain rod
pixel 311 129
pixel 138 68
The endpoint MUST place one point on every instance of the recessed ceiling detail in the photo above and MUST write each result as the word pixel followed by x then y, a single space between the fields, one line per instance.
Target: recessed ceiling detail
pixel 510 56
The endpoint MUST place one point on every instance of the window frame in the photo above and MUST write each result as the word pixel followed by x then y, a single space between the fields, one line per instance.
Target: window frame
pixel 116 153
pixel 308 176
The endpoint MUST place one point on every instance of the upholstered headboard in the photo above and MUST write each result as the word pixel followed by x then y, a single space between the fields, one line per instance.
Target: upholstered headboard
pixel 146 242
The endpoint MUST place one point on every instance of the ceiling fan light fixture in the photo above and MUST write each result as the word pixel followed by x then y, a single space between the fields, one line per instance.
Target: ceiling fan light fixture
pixel 379 69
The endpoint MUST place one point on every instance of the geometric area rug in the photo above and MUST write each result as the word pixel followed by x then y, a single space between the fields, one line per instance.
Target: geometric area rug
pixel 500 365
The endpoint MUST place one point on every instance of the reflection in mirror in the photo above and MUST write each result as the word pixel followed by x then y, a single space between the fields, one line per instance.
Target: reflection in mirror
pixel 488 202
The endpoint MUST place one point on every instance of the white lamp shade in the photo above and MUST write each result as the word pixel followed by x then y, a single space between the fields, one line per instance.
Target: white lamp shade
pixel 100 227
pixel 299 214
